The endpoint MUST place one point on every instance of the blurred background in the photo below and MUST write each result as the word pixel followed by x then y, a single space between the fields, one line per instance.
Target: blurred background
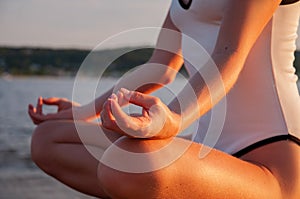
pixel 42 45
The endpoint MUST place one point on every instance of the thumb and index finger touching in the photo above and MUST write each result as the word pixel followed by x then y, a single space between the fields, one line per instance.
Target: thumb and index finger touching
pixel 143 100
pixel 140 99
pixel 36 113
pixel 52 101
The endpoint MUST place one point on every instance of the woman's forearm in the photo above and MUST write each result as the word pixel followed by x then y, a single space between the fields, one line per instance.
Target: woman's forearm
pixel 157 72
pixel 207 87
pixel 160 70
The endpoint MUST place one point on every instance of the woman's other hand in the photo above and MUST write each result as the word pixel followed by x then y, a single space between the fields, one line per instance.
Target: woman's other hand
pixel 64 109
pixel 156 120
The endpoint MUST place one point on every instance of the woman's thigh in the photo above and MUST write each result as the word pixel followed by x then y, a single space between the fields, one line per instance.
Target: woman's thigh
pixel 68 131
pixel 283 160
pixel 217 175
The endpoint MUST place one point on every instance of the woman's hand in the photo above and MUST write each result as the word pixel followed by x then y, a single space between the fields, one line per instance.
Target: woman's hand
pixel 156 120
pixel 64 109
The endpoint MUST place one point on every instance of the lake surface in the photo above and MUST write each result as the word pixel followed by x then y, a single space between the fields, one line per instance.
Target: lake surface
pixel 16 127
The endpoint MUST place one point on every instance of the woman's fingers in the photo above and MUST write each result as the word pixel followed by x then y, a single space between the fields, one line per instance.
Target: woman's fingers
pixel 106 113
pixel 62 103
pixel 52 101
pixel 153 118
pixel 59 102
pixel 122 119
pixel 131 125
pixel 33 115
pixel 114 118
pixel 37 118
pixel 122 101
pixel 107 118
pixel 36 114
pixel 140 99
pixel 31 110
pixel 39 105
pixel 148 124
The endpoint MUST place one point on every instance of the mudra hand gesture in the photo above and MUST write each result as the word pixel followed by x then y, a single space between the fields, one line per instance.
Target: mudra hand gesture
pixel 156 121
pixel 64 109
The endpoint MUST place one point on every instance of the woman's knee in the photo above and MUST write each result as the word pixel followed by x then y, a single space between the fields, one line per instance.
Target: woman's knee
pixel 41 142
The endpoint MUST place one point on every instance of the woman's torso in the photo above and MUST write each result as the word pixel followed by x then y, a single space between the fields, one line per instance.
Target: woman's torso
pixel 264 102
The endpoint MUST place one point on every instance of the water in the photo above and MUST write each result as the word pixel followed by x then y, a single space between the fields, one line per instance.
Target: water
pixel 15 125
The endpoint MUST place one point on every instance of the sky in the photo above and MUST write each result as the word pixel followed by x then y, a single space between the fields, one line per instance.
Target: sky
pixel 79 23
pixel 76 23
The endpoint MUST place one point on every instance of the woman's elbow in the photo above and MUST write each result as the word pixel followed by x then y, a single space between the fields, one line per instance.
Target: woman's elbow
pixel 167 80
pixel 168 77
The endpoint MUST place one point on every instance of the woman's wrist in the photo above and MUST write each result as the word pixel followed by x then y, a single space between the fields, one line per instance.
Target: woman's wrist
pixel 84 112
pixel 175 119
pixel 176 123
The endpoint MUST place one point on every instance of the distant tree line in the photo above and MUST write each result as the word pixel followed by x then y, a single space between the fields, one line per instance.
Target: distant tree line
pixel 66 62
pixel 37 61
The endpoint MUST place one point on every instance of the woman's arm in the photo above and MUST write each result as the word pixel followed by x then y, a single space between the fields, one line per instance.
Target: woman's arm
pixel 242 23
pixel 160 70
